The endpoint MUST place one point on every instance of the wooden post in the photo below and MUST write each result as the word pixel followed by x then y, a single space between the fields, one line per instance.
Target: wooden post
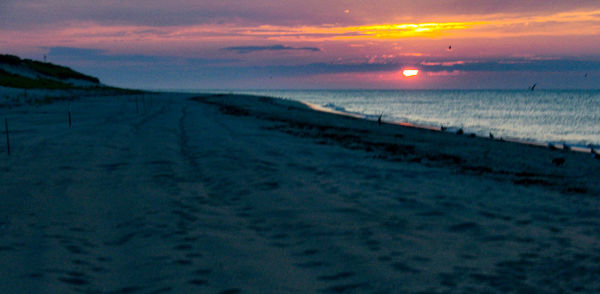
pixel 69 115
pixel 7 138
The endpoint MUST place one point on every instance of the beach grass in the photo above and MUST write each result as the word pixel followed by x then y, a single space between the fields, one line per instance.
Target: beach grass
pixel 17 81
pixel 47 69
pixel 57 71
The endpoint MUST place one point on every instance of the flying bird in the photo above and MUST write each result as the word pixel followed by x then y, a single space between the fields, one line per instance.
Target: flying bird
pixel 532 87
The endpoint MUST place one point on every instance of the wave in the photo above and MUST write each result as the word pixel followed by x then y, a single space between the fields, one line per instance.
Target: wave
pixel 335 107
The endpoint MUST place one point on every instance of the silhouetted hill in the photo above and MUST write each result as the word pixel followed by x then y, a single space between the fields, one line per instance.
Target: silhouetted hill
pixel 30 74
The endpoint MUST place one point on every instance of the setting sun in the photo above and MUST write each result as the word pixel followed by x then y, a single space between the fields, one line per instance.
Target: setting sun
pixel 410 72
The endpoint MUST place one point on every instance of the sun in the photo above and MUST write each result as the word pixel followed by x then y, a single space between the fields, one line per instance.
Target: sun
pixel 410 72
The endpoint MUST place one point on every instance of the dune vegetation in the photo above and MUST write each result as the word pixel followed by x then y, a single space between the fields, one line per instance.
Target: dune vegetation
pixel 47 75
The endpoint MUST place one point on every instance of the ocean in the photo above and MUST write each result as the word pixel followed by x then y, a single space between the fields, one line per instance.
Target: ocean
pixel 542 116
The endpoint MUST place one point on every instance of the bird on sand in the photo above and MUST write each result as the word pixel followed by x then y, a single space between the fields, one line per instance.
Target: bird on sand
pixel 594 152
pixel 558 161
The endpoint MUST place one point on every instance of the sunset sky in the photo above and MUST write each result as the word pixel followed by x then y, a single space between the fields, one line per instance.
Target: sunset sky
pixel 233 44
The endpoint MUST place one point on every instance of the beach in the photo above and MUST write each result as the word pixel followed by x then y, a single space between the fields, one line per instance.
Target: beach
pixel 217 193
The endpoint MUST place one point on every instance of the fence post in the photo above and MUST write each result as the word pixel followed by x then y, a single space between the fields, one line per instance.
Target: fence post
pixel 7 138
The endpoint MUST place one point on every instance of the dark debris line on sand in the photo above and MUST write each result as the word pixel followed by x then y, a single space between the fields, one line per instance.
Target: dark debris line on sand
pixel 400 144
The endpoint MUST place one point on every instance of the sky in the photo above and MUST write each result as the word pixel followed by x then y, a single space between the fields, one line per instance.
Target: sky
pixel 313 44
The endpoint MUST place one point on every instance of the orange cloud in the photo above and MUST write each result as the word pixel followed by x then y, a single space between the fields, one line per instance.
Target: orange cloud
pixel 399 31
pixel 573 23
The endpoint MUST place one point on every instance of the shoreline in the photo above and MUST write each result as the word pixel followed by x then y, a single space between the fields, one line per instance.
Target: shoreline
pixel 561 146
pixel 550 145
pixel 578 144
pixel 16 97
pixel 522 162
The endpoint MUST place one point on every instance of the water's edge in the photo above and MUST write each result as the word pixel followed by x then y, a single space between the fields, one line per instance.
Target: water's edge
pixel 548 117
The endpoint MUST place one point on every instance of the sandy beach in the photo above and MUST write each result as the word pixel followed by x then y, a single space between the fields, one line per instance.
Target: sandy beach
pixel 182 193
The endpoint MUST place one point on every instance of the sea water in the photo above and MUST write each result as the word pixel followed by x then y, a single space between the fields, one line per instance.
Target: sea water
pixel 545 116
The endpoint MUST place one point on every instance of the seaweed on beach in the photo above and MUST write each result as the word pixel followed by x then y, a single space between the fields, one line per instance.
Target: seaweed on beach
pixel 396 147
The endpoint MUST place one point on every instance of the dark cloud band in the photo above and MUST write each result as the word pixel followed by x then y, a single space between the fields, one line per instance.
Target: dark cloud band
pixel 250 49
pixel 515 65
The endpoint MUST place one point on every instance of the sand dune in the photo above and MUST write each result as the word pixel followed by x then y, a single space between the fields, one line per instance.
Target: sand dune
pixel 239 194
